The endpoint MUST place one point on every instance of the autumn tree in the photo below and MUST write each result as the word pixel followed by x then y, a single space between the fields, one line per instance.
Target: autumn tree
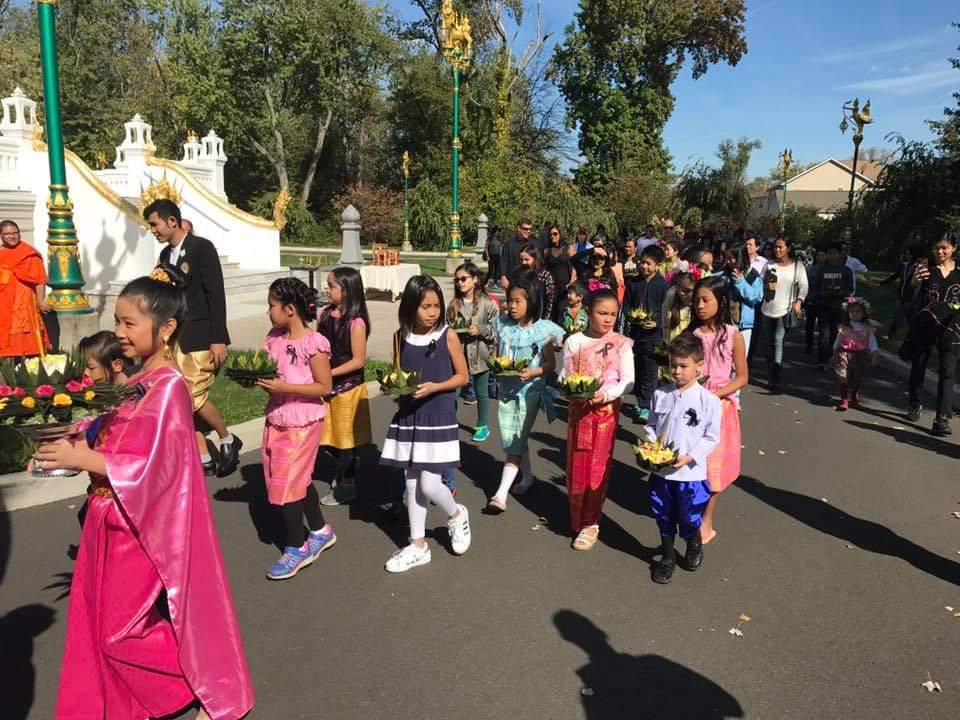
pixel 617 63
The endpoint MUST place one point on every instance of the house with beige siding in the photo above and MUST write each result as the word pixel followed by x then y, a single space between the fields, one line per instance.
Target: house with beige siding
pixel 825 186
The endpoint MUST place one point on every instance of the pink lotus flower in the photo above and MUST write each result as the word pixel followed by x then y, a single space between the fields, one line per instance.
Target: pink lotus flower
pixel 5 391
pixel 19 392
pixel 74 386
pixel 45 391
pixel 87 382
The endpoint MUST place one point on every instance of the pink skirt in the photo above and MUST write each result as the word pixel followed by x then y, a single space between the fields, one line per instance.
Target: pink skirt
pixel 121 655
pixel 723 464
pixel 288 457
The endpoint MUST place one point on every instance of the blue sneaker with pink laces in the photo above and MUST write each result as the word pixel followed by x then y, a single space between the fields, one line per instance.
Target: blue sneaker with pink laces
pixel 293 560
pixel 320 540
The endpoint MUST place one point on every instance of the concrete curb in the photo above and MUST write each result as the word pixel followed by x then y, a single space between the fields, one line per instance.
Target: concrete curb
pixel 22 490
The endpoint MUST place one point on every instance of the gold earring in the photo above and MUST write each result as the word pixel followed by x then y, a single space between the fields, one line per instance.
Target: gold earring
pixel 167 352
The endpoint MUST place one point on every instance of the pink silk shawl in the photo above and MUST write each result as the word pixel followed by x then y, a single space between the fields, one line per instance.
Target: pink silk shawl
pixel 154 469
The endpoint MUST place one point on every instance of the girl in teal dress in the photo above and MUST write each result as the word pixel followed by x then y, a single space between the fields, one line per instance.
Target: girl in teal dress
pixel 521 335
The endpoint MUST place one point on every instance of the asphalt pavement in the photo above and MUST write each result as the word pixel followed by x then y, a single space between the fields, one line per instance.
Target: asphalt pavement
pixel 838 543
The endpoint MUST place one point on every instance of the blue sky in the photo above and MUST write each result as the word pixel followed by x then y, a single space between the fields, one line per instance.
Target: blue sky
pixel 806 57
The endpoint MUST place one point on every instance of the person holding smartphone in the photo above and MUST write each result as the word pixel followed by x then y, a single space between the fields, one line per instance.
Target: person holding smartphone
pixel 936 325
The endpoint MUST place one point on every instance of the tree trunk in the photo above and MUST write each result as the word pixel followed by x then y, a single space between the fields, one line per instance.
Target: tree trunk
pixel 277 159
pixel 315 159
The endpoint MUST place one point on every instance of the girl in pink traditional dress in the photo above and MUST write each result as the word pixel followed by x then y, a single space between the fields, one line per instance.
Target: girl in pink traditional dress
pixel 854 351
pixel 725 365
pixel 592 424
pixel 294 426
pixel 151 626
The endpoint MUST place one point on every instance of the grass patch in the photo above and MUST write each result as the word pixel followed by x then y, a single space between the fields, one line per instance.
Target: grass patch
pixel 437 267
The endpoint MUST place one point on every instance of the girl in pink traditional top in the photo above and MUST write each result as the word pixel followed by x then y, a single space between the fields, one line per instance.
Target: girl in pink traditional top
pixel 592 424
pixel 294 426
pixel 854 351
pixel 151 627
pixel 725 365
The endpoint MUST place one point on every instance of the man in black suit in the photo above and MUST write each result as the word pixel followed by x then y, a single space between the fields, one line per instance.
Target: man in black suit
pixel 202 348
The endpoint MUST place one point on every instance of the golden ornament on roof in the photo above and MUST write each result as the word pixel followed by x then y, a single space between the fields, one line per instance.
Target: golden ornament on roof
pixel 161 189
pixel 280 209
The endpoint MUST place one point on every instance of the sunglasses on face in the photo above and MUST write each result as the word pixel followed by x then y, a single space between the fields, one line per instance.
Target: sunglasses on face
pixel 462 278
pixel 554 233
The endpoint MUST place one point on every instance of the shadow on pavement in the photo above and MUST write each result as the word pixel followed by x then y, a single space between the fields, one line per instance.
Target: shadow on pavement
pixel 618 685
pixel 865 534
pixel 917 439
pixel 266 519
pixel 18 628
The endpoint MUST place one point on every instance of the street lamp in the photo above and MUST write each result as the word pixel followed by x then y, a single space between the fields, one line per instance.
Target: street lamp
pixel 853 113
pixel 65 277
pixel 786 159
pixel 407 247
pixel 458 50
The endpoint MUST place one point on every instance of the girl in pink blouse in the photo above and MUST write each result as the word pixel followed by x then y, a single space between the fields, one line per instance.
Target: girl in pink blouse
pixel 725 365
pixel 294 424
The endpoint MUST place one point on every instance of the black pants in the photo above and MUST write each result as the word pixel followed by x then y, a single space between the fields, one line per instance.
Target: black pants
pixel 646 371
pixel 293 514
pixel 946 345
pixel 830 319
pixel 493 269
pixel 811 311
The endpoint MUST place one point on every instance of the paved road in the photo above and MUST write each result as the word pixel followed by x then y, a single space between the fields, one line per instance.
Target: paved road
pixel 838 544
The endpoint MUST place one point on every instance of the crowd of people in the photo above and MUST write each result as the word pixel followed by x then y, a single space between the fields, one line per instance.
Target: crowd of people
pixel 674 321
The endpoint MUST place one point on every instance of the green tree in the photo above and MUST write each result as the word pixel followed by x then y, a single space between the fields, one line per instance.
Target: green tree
pixel 617 63
pixel 721 191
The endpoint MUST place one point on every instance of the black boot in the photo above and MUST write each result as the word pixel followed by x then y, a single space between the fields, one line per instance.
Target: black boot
pixel 916 410
pixel 664 567
pixel 229 457
pixel 941 426
pixel 694 556
pixel 775 378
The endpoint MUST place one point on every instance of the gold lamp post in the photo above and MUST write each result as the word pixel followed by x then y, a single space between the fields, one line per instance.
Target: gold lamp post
pixel 407 247
pixel 458 50
pixel 786 159
pixel 853 113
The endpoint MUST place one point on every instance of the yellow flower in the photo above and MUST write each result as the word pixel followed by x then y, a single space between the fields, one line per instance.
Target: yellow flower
pixel 62 400
pixel 89 395
pixel 28 402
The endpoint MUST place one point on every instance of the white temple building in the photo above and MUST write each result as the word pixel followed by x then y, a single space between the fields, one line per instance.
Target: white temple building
pixel 115 245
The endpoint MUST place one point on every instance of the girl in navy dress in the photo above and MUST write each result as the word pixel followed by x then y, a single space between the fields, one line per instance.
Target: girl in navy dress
pixel 423 437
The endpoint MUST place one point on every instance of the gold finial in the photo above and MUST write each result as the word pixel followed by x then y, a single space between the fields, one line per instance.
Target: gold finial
pixel 280 209
pixel 161 275
pixel 406 164
pixel 37 138
pixel 161 189
pixel 101 160
pixel 455 34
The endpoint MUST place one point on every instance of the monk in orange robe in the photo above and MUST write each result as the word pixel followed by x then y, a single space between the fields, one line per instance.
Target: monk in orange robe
pixel 22 283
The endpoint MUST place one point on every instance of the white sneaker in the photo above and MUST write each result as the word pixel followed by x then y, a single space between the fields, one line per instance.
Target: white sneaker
pixel 407 558
pixel 459 529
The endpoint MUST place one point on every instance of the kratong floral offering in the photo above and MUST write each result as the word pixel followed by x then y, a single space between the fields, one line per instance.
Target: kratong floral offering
pixel 642 317
pixel 461 325
pixel 505 366
pixel 48 398
pixel 580 387
pixel 655 455
pixel 398 381
pixel 250 367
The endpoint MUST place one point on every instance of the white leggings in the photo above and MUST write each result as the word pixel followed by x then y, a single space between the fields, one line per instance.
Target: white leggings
pixel 424 487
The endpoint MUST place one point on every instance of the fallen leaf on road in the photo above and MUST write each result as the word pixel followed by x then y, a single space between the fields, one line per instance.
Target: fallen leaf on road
pixel 725 579
pixel 956 614
pixel 736 632
pixel 824 500
pixel 799 422
pixel 948 608
pixel 760 452
pixel 543 520
pixel 796 412
pixel 535 528
pixel 777 404
pixel 955 514
pixel 849 546
pixel 899 427
pixel 782 452
pixel 931 686
pixel 71 507
pixel 586 691
pixel 744 618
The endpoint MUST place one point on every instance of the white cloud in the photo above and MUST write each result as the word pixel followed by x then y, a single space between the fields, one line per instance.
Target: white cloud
pixel 933 75
pixel 890 48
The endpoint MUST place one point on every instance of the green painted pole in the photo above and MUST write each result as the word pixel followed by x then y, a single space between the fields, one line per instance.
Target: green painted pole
pixel 783 213
pixel 455 237
pixel 63 262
